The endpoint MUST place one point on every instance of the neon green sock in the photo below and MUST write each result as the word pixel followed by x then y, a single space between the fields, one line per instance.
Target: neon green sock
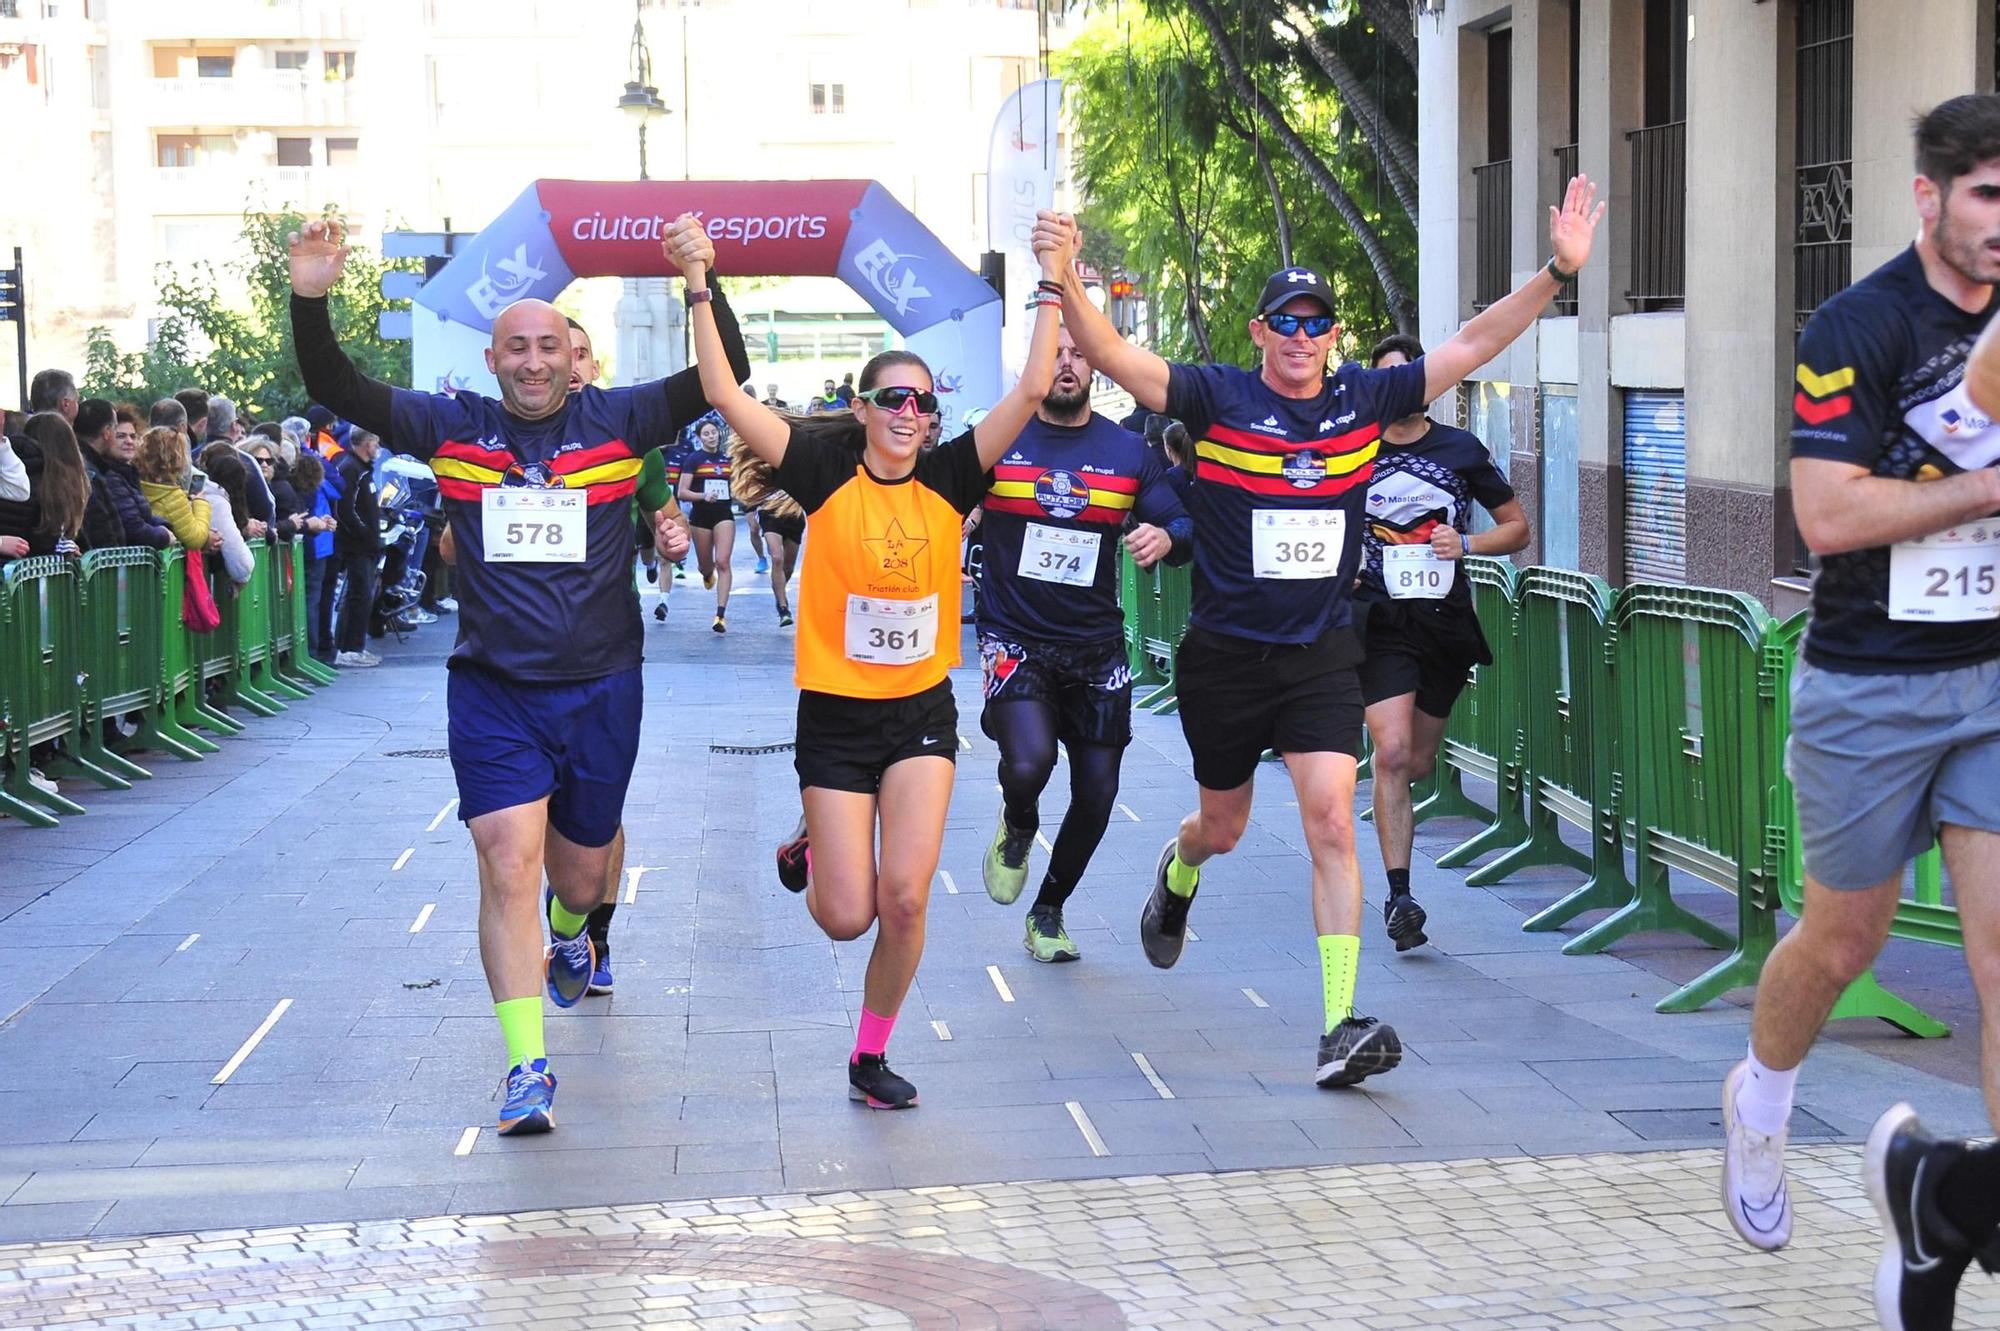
pixel 566 922
pixel 521 1025
pixel 1339 955
pixel 1182 877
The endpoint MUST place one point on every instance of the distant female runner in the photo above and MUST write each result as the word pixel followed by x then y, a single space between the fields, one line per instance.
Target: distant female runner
pixel 704 488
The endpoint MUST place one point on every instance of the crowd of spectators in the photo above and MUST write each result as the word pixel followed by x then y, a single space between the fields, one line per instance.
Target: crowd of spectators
pixel 192 470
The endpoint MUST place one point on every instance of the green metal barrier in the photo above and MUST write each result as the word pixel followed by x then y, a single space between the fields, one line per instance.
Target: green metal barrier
pixel 180 691
pixel 1697 708
pixel 1136 599
pixel 1568 706
pixel 1155 601
pixel 120 643
pixel 1482 736
pixel 303 664
pixel 212 656
pixel 41 607
pixel 246 625
pixel 288 636
pixel 280 644
pixel 1922 917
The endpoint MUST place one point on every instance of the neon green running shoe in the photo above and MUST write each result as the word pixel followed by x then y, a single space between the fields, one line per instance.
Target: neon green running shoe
pixel 1045 938
pixel 1006 868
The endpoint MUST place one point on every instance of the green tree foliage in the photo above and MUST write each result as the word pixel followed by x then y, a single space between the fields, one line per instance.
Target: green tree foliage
pixel 229 330
pixel 1193 188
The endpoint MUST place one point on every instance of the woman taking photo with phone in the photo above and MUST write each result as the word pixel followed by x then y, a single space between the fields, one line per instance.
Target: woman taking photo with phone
pixel 878 631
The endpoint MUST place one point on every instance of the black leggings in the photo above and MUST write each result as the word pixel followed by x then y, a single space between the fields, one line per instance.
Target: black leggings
pixel 1027 735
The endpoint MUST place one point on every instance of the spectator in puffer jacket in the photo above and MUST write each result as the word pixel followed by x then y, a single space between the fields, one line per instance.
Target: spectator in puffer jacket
pixel 227 477
pixel 164 471
pixel 117 513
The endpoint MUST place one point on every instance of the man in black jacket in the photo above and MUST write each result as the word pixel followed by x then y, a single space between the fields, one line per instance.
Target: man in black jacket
pixel 117 513
pixel 357 543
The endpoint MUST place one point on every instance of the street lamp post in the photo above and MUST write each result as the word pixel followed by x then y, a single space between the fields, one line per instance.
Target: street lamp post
pixel 641 100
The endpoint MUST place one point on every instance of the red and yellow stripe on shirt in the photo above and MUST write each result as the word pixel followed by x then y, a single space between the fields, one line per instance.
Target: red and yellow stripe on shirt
pixel 1107 499
pixel 607 472
pixel 1268 466
pixel 1823 397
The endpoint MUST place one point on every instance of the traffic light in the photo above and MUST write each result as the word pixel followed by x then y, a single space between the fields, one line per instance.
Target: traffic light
pixel 1122 288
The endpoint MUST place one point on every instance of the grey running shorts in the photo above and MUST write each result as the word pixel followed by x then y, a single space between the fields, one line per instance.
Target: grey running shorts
pixel 1880 762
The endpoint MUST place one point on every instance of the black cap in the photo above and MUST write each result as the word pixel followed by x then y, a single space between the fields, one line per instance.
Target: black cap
pixel 319 417
pixel 1289 282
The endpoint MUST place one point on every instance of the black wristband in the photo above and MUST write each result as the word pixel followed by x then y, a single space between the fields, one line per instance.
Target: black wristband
pixel 1559 273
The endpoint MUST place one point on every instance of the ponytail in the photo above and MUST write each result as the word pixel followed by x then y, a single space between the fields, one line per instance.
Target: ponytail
pixel 751 478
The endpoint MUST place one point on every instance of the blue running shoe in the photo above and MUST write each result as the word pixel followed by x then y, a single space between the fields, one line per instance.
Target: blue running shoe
pixel 763 564
pixel 568 964
pixel 600 977
pixel 531 1100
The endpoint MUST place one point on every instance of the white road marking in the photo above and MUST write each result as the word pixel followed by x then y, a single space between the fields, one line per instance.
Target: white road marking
pixel 1000 983
pixel 449 805
pixel 187 942
pixel 1193 937
pixel 632 876
pixel 1087 1128
pixel 1146 1066
pixel 402 860
pixel 1256 999
pixel 1126 810
pixel 423 917
pixel 256 1037
pixel 949 885
pixel 465 1140
pixel 943 1031
pixel 1043 842
pixel 964 744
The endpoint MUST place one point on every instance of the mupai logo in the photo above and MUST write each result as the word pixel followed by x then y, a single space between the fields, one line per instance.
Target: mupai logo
pixel 897 551
pixel 493 292
pixel 891 274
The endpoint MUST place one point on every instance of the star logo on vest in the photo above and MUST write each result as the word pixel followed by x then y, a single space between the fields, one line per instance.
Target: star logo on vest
pixel 897 551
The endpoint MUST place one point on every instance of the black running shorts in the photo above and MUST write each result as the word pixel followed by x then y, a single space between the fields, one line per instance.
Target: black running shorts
pixel 1240 697
pixel 1423 647
pixel 1088 683
pixel 792 528
pixel 703 513
pixel 847 743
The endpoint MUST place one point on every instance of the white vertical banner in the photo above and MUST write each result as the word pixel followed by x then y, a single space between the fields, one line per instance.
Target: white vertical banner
pixel 1020 179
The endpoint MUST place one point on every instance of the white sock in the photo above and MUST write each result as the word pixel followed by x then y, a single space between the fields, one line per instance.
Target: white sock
pixel 1764 1102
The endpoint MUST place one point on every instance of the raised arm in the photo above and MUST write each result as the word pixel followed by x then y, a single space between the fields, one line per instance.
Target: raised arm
pixel 1003 424
pixel 317 257
pixel 1134 369
pixel 1487 334
pixel 688 398
pixel 762 430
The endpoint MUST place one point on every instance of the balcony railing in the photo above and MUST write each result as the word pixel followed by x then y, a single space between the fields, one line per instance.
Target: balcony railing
pixel 1493 195
pixel 1659 216
pixel 1565 172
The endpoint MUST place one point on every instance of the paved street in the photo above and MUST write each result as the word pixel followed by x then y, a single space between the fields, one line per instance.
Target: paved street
pixel 1545 1155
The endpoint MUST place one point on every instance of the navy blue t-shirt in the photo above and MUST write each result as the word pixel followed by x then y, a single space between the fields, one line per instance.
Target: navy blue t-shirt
pixel 1421 486
pixel 1881 384
pixel 1060 497
pixel 546 622
pixel 1260 456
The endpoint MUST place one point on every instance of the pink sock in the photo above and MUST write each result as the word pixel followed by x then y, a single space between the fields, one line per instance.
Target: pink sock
pixel 874 1036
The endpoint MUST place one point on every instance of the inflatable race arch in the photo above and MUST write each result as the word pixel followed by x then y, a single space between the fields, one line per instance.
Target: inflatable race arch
pixel 560 230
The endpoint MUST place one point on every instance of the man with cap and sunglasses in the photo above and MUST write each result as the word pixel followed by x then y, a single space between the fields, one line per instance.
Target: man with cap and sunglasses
pixel 1277 490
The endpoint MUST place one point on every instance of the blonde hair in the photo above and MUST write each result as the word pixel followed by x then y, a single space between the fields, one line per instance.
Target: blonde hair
pixel 163 456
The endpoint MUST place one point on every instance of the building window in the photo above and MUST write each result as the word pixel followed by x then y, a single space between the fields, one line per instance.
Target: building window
pixel 295 152
pixel 1659 164
pixel 339 66
pixel 289 59
pixel 215 66
pixel 1823 203
pixel 192 149
pixel 1493 182
pixel 10 8
pixel 829 99
pixel 343 152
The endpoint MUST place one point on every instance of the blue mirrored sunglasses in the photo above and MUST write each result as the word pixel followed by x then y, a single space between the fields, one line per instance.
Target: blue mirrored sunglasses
pixel 1284 325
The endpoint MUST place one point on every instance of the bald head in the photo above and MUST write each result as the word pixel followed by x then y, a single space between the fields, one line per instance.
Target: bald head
pixel 531 358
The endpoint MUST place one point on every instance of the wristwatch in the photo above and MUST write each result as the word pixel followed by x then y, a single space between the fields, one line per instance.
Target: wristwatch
pixel 695 298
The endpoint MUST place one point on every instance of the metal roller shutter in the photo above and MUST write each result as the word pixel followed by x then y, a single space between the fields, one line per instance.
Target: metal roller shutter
pixel 1655 487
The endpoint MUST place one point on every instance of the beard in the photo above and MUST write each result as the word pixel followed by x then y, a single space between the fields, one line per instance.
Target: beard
pixel 1965 253
pixel 1067 404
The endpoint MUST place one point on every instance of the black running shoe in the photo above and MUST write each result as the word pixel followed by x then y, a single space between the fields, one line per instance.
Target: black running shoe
pixel 660 611
pixel 795 859
pixel 1359 1047
pixel 1405 921
pixel 653 573
pixel 870 1081
pixel 1923 1253
pixel 1163 919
